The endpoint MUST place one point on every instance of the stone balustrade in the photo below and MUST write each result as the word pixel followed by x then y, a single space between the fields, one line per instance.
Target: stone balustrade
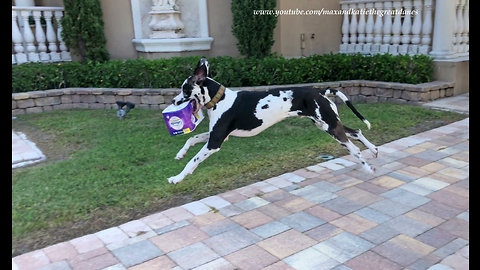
pixel 42 44
pixel 158 99
pixel 439 28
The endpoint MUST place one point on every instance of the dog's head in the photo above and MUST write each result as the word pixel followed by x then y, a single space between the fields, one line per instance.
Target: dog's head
pixel 193 89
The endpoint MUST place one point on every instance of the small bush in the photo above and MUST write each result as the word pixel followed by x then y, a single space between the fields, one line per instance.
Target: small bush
pixel 83 29
pixel 233 72
pixel 254 33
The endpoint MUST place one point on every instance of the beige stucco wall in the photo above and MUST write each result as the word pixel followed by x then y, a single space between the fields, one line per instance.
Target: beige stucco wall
pixel 453 71
pixel 117 17
pixel 290 27
pixel 118 28
pixel 288 30
pixel 220 28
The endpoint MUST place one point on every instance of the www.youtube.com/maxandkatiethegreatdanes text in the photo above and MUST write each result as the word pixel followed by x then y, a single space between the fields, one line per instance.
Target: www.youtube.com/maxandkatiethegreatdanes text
pixel 320 12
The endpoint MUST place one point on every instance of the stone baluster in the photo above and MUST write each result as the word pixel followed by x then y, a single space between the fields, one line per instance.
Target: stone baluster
pixel 345 28
pixel 466 29
pixel 416 27
pixel 377 29
pixel 64 53
pixel 396 28
pixel 17 39
pixel 406 27
pixel 426 28
pixel 387 28
pixel 29 38
pixel 369 28
pixel 455 25
pixel 51 37
pixel 459 26
pixel 40 37
pixel 361 29
pixel 443 30
pixel 352 30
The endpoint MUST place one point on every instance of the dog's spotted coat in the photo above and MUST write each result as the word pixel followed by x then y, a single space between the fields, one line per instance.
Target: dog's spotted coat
pixel 247 113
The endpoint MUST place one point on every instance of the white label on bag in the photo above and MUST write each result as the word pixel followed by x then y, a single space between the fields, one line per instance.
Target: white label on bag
pixel 176 123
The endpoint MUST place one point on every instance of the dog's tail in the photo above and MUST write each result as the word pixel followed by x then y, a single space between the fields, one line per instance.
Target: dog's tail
pixel 339 94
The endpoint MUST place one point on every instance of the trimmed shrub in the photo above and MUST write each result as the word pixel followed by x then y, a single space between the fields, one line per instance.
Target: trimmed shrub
pixel 254 33
pixel 233 72
pixel 83 29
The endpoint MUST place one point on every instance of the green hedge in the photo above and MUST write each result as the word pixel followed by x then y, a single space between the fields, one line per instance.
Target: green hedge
pixel 170 73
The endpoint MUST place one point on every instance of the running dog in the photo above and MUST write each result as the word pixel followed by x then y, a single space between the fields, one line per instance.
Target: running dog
pixel 247 113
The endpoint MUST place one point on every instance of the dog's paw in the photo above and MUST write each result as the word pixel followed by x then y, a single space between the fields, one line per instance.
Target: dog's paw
pixel 369 169
pixel 175 179
pixel 181 154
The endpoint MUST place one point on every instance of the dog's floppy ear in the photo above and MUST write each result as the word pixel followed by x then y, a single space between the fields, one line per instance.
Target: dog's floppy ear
pixel 201 72
pixel 204 62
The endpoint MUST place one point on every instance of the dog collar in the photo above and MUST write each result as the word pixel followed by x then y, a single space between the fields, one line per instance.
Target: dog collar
pixel 216 98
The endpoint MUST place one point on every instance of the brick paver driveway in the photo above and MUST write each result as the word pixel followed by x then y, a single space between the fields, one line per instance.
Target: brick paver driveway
pixel 413 213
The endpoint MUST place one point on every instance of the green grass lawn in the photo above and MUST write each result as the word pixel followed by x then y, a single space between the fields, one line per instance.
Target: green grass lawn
pixel 102 172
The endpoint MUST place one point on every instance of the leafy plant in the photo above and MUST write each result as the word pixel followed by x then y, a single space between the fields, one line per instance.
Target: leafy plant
pixel 233 72
pixel 253 32
pixel 83 29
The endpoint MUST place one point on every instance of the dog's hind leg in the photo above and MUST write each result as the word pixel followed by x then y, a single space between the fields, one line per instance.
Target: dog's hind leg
pixel 357 135
pixel 355 152
pixel 203 137
pixel 339 134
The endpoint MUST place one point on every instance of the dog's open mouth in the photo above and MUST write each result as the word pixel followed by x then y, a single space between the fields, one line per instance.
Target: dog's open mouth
pixel 196 107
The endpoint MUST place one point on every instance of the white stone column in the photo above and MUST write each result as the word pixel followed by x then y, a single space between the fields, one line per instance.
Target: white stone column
pixel 353 30
pixel 387 29
pixel 51 37
pixel 466 29
pixel 369 29
pixel 29 38
pixel 361 29
pixel 426 28
pixel 443 30
pixel 345 27
pixel 396 28
pixel 458 26
pixel 17 39
pixel 406 27
pixel 64 53
pixel 416 27
pixel 40 37
pixel 377 29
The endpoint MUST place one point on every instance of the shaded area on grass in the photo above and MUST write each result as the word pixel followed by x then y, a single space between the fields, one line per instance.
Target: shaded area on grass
pixel 101 172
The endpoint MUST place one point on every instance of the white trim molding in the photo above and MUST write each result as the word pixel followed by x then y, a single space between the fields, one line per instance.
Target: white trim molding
pixel 172 44
pixel 143 43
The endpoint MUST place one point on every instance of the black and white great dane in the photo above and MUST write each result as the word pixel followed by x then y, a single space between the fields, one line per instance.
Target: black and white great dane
pixel 247 113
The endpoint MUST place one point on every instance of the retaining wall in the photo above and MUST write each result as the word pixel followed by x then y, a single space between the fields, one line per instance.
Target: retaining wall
pixel 158 99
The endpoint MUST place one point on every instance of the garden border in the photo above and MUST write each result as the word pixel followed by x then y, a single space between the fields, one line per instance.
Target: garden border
pixel 158 99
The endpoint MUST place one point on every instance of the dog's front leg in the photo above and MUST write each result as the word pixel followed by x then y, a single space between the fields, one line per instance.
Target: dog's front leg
pixel 203 137
pixel 203 154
